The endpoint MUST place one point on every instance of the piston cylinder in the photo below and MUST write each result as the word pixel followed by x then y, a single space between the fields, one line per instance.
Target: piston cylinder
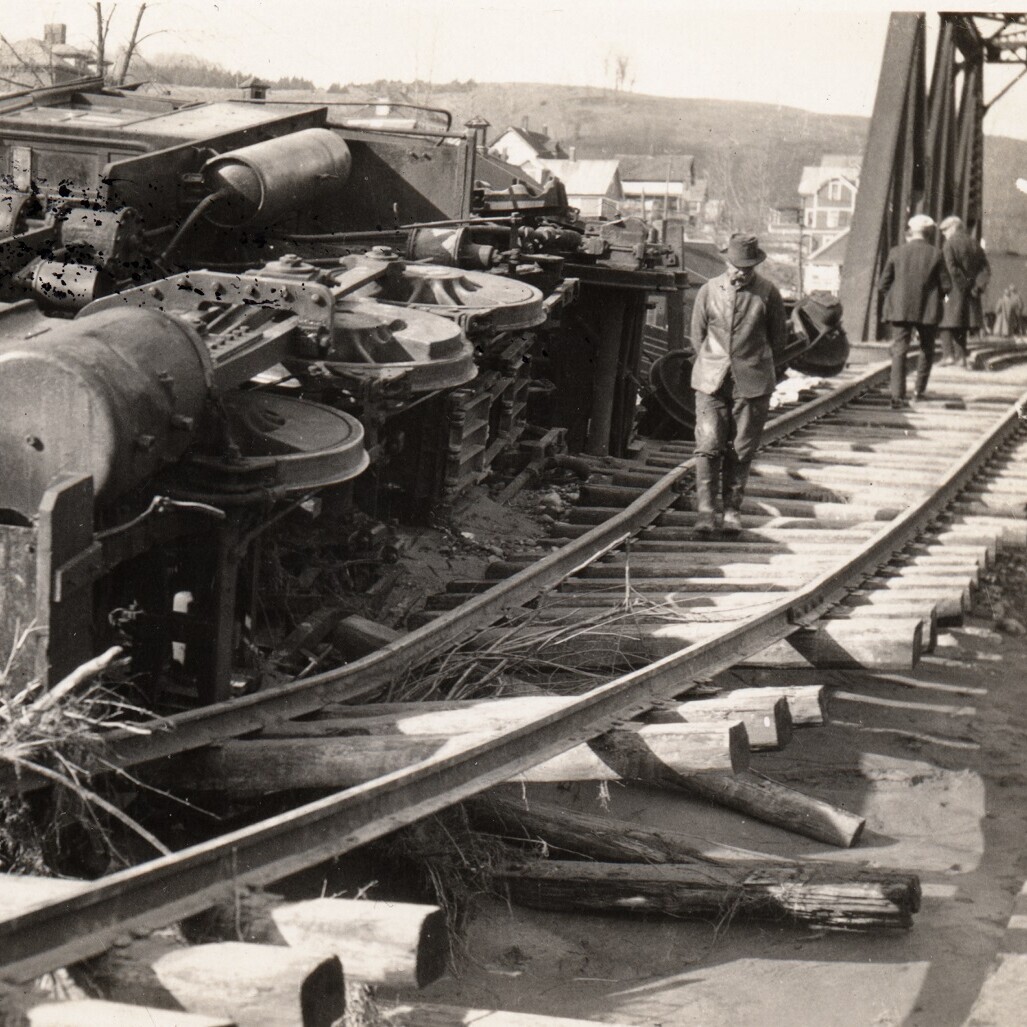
pixel 67 286
pixel 116 395
pixel 267 180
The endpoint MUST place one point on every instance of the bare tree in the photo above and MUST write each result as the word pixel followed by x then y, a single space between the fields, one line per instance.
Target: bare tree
pixel 130 48
pixel 616 65
pixel 103 26
pixel 623 62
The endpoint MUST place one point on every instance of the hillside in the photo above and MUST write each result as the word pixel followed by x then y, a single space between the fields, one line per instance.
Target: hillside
pixel 753 153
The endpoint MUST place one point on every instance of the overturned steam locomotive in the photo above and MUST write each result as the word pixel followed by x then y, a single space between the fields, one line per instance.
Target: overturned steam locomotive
pixel 220 314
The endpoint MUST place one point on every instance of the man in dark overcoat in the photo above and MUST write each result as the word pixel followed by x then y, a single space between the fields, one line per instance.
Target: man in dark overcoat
pixel 738 323
pixel 968 267
pixel 914 282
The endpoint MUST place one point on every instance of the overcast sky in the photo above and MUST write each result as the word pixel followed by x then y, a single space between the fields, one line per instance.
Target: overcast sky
pixel 822 56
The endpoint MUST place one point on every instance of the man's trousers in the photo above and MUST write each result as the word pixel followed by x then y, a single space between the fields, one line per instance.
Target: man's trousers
pixel 902 332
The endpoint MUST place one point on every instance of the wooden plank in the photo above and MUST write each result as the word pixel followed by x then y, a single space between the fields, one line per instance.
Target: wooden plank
pixel 93 1012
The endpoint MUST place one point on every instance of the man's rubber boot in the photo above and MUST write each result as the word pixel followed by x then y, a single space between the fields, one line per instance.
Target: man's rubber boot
pixel 736 475
pixel 706 474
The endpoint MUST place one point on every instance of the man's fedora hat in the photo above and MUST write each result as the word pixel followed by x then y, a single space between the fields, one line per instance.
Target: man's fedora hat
pixel 744 251
pixel 952 221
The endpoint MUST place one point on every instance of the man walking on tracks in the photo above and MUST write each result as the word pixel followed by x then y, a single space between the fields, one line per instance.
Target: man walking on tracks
pixel 913 283
pixel 968 267
pixel 738 323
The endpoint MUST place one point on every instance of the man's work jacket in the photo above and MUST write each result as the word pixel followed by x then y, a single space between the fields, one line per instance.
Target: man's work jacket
pixel 737 331
pixel 914 282
pixel 968 267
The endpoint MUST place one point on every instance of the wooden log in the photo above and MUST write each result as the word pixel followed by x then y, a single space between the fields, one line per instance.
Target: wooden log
pixel 674 587
pixel 767 719
pixel 949 603
pixel 357 636
pixel 759 522
pixel 397 944
pixel 789 567
pixel 256 985
pixel 99 1013
pixel 828 897
pixel 425 1015
pixel 880 644
pixel 21 892
pixel 978 503
pixel 651 753
pixel 1010 533
pixel 780 805
pixel 848 644
pixel 568 833
pixel 928 614
pixel 424 718
pixel 807 704
pixel 249 769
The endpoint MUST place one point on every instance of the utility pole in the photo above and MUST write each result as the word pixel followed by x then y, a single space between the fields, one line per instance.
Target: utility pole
pixel 802 222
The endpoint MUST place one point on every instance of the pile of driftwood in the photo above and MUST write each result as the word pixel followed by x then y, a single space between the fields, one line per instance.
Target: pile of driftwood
pixel 699 746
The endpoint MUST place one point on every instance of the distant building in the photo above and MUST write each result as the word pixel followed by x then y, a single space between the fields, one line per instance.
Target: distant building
pixel 593 186
pixel 828 197
pixel 384 115
pixel 478 126
pixel 254 88
pixel 822 269
pixel 659 186
pixel 31 63
pixel 784 218
pixel 526 149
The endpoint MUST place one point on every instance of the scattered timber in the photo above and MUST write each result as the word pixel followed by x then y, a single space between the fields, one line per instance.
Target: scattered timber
pixel 256 985
pixel 807 704
pixel 767 719
pixel 568 833
pixel 780 805
pixel 841 898
pixel 657 754
pixel 397 944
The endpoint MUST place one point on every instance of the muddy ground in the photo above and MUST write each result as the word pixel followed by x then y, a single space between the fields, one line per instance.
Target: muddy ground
pixel 934 759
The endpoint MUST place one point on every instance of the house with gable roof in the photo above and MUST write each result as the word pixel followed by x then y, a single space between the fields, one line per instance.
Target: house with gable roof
pixel 525 148
pixel 662 186
pixel 31 63
pixel 593 186
pixel 827 193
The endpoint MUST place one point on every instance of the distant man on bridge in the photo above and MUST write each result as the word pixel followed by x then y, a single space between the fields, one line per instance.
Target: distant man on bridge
pixel 914 282
pixel 738 323
pixel 968 267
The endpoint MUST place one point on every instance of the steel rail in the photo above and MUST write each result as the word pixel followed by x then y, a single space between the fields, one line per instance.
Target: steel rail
pixel 168 888
pixel 363 677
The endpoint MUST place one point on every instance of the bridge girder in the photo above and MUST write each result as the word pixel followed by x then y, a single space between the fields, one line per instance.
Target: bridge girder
pixel 925 148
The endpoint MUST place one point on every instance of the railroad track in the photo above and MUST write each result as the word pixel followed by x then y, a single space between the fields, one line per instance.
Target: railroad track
pixel 852 508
